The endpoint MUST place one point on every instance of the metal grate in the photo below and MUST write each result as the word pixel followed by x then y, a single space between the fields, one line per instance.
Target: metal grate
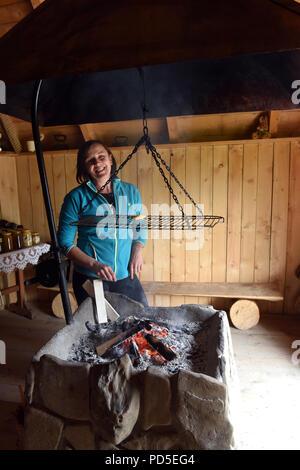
pixel 151 222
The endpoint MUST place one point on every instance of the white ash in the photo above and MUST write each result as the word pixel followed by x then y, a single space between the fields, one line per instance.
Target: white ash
pixel 188 342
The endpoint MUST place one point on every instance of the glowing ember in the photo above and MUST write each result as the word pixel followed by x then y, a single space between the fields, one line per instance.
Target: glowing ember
pixel 145 349
pixel 177 344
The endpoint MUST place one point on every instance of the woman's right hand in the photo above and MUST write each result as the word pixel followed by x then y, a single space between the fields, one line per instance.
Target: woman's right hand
pixel 104 271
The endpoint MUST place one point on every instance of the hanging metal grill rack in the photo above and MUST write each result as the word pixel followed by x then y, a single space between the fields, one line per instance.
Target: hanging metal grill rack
pixel 151 222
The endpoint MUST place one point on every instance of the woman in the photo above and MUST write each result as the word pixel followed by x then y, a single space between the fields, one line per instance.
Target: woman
pixel 113 255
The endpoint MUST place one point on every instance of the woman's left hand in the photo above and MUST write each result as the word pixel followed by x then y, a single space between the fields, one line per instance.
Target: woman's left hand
pixel 136 259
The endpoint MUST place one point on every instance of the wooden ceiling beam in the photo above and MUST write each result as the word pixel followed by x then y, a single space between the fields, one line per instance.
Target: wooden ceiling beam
pixel 182 129
pixel 125 132
pixel 88 131
pixel 14 12
pixel 11 12
pixel 11 132
pixel 274 118
pixel 36 3
pixel 206 127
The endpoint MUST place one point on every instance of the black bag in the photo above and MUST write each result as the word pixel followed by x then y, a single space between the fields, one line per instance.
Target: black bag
pixel 47 272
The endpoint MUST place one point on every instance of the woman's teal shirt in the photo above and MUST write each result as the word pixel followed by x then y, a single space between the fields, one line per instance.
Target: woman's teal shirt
pixel 112 245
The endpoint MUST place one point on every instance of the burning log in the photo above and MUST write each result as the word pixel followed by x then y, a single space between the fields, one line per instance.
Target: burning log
pixel 139 338
pixel 160 347
pixel 120 338
pixel 134 353
pixel 129 322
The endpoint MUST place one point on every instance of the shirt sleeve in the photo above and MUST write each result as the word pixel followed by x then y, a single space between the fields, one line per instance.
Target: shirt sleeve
pixel 66 233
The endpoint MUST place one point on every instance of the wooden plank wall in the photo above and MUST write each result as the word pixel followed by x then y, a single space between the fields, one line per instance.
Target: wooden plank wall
pixel 61 173
pixel 9 209
pixel 255 185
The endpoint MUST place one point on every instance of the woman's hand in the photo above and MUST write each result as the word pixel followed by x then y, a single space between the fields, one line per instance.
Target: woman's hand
pixel 104 271
pixel 136 259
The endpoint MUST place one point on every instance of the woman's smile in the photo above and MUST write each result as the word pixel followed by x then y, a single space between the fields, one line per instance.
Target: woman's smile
pixel 100 171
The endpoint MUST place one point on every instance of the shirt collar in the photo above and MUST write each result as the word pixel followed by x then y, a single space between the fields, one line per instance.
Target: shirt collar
pixel 91 185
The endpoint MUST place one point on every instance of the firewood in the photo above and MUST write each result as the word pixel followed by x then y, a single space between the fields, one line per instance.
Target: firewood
pixel 160 347
pixel 103 348
pixel 110 311
pixel 244 314
pixel 100 302
pixel 57 305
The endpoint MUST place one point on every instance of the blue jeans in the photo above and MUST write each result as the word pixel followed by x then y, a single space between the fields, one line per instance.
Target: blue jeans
pixel 130 287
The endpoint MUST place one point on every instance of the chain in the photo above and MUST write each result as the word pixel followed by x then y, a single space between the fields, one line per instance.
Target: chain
pixel 166 181
pixel 140 142
pixel 156 156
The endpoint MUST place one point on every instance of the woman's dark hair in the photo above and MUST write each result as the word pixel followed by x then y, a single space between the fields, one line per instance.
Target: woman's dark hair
pixel 81 173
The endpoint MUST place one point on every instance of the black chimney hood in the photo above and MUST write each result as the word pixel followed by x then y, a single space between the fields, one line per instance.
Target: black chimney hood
pixel 207 86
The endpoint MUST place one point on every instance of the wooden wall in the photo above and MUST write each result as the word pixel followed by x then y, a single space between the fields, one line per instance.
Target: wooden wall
pixel 9 208
pixel 255 185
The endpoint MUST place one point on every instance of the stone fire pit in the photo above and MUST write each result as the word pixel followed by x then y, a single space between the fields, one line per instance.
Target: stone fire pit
pixel 112 405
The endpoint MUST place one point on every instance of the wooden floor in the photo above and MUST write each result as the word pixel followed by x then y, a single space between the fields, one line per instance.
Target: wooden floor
pixel 269 380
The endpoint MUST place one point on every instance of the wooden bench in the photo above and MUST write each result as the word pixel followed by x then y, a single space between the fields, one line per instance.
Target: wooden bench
pixel 244 313
pixel 232 290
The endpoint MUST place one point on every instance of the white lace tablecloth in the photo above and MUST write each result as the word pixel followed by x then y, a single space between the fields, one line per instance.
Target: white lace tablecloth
pixel 20 258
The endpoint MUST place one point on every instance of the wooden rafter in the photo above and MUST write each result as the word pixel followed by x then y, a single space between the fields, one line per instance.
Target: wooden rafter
pixel 11 132
pixel 274 122
pixel 87 131
pixel 36 3
pixel 11 12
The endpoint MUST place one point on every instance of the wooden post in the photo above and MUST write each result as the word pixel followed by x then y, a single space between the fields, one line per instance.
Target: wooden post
pixel 110 311
pixel 21 296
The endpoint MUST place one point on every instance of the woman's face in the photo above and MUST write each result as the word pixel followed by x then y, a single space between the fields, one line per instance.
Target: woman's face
pixel 98 163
